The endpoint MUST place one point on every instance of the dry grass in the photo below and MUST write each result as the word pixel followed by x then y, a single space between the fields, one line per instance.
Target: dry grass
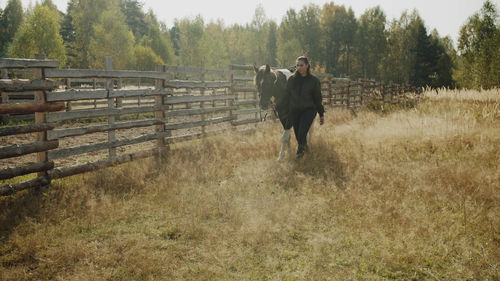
pixel 406 195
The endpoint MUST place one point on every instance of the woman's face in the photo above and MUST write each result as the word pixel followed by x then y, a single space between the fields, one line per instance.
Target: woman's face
pixel 302 67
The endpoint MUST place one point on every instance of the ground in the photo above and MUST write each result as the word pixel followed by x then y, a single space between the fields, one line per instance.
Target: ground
pixel 389 194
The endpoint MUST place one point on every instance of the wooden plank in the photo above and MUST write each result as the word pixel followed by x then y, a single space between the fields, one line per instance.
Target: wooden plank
pixel 245 121
pixel 22 117
pixel 189 112
pixel 99 164
pixel 240 67
pixel 197 84
pixel 185 99
pixel 91 113
pixel 217 72
pixel 27 63
pixel 87 73
pixel 187 137
pixel 25 108
pixel 76 150
pixel 243 78
pixel 25 129
pixel 183 69
pixel 23 149
pixel 12 172
pixel 72 132
pixel 24 85
pixel 73 95
pixel 245 102
pixel 197 123
pixel 245 90
pixel 247 111
pixel 9 189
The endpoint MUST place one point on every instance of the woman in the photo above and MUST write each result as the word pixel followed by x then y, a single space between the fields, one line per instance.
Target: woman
pixel 303 92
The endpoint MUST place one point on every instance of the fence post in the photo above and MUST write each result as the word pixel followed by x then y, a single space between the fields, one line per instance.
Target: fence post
pixel 234 100
pixel 41 117
pixel 5 97
pixel 119 101
pixel 348 102
pixel 330 92
pixel 111 104
pixel 202 93
pixel 361 91
pixel 160 114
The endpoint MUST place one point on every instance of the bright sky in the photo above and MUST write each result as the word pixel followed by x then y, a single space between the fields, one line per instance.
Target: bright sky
pixel 447 16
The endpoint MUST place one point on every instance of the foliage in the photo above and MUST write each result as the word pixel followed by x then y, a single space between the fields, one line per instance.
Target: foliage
pixel 144 58
pixel 40 34
pixel 402 50
pixel 190 32
pixel 11 20
pixel 371 41
pixel 478 46
pixel 117 44
pixel 85 13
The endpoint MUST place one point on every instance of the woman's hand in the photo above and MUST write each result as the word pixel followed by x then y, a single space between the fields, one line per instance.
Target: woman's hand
pixel 322 120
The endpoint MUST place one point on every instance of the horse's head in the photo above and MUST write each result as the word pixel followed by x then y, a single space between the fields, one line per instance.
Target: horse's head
pixel 265 80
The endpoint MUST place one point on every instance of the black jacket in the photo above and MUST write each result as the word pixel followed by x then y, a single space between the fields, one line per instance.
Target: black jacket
pixel 304 93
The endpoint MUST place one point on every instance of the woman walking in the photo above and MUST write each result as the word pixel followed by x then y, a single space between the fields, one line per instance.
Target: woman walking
pixel 303 92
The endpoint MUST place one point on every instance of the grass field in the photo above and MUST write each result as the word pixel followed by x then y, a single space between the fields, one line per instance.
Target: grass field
pixel 394 194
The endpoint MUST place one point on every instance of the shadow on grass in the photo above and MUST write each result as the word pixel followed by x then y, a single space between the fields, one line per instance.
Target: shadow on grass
pixel 322 163
pixel 71 197
pixel 16 208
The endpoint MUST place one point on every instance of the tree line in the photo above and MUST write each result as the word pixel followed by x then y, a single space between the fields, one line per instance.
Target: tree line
pixel 401 50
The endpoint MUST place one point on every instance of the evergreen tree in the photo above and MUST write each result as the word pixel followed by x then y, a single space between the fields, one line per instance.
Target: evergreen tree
pixel 156 40
pixel 425 58
pixel 443 76
pixel 11 20
pixel 338 27
pixel 135 17
pixel 68 33
pixel 40 34
pixel 309 32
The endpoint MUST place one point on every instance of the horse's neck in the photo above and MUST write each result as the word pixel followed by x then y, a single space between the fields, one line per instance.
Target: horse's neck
pixel 281 86
pixel 286 72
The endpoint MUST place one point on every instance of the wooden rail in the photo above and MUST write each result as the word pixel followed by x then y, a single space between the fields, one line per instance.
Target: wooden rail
pixel 118 123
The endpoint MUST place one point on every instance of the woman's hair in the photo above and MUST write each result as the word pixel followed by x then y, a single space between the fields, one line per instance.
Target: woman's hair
pixel 306 61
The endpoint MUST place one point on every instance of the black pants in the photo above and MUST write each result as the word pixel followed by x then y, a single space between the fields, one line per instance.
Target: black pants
pixel 301 121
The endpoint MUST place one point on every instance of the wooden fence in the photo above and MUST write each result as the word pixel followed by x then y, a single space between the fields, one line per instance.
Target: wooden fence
pixel 82 128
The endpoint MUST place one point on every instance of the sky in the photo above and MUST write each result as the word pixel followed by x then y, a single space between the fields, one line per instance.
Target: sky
pixel 447 16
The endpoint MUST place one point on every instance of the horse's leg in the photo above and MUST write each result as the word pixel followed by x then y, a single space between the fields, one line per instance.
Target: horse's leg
pixel 285 139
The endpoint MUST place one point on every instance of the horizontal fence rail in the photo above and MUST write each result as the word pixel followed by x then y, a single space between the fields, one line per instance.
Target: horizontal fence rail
pixel 108 117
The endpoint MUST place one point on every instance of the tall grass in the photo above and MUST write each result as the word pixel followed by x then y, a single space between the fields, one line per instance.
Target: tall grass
pixel 404 195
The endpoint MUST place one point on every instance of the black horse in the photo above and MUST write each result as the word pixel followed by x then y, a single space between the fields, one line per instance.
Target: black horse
pixel 271 85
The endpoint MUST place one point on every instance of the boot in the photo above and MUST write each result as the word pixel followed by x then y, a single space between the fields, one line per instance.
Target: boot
pixel 300 151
